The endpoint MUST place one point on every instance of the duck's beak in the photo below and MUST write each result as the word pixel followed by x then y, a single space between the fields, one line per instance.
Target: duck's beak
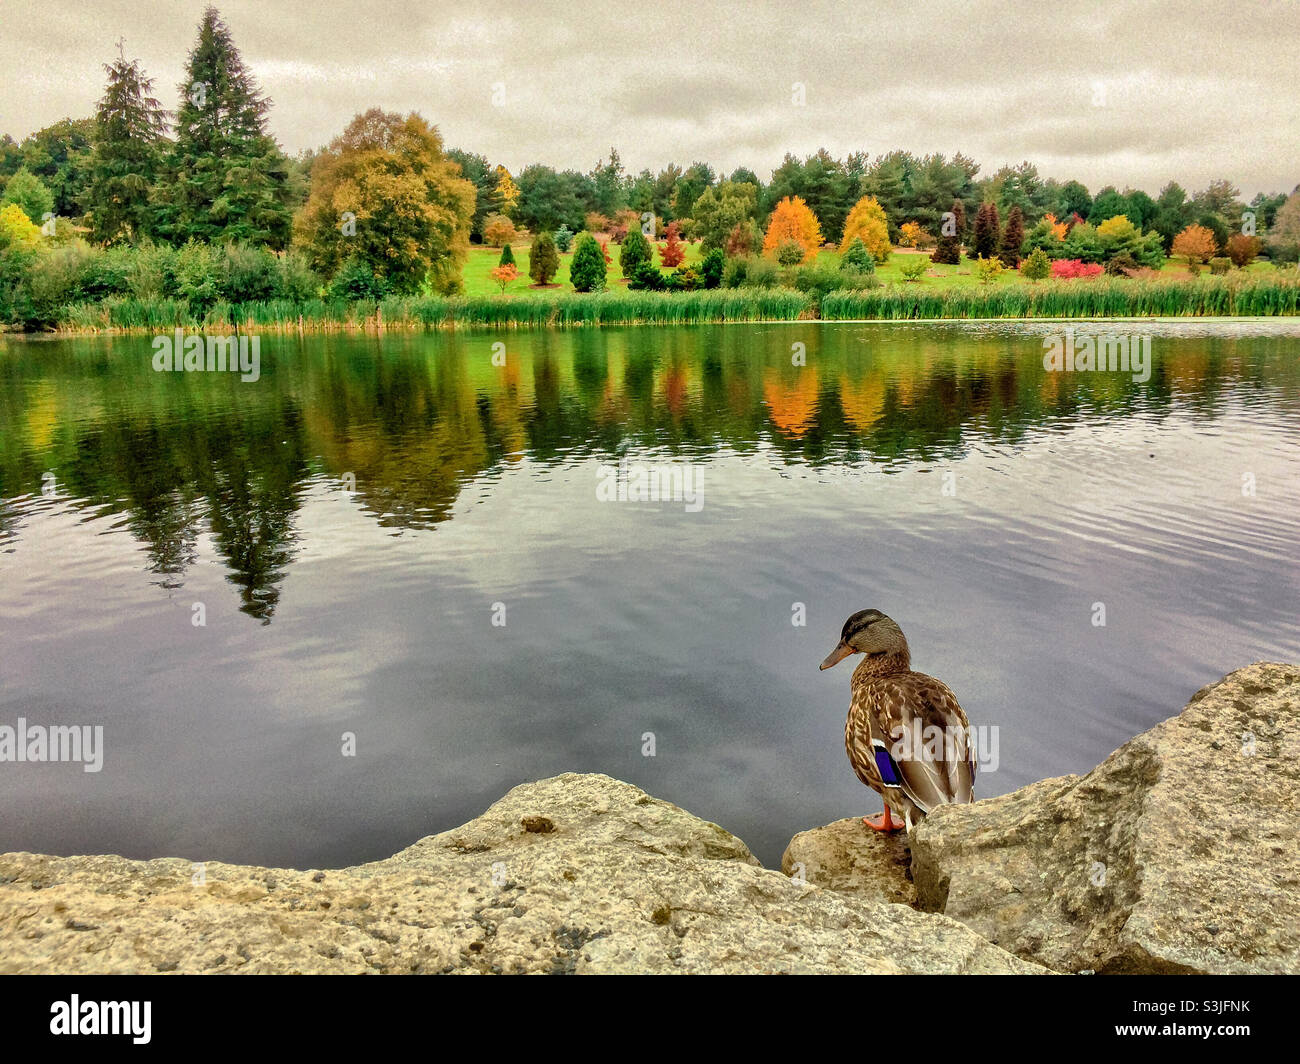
pixel 841 651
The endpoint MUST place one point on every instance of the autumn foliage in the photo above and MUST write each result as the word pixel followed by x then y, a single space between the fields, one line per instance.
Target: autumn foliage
pixel 671 252
pixel 503 275
pixel 867 222
pixel 1196 243
pixel 1068 269
pixel 793 220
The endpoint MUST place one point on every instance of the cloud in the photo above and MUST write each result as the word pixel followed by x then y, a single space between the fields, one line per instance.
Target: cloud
pixel 1136 93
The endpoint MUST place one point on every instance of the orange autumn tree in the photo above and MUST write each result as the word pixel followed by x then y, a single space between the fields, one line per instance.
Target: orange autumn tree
pixel 793 221
pixel 503 275
pixel 867 223
pixel 1196 243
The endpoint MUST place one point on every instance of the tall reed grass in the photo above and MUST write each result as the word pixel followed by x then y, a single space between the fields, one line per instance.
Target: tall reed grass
pixel 1112 298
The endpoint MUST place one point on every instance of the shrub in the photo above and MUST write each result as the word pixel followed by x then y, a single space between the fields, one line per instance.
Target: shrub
pixel 711 268
pixel 916 265
pixel 1036 266
pixel 1196 243
pixel 671 252
pixel 249 275
pixel 564 239
pixel 1121 265
pixel 357 280
pixel 596 222
pixel 543 259
pixel 588 269
pixel 989 269
pixel 499 231
pixel 634 252
pixel 504 274
pixel 296 280
pixel 1067 269
pixel 1220 265
pixel 1242 249
pixel 744 239
pixel 789 253
pixel 646 278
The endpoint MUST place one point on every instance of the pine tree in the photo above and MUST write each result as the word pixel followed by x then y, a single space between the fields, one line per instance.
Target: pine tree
pixel 126 152
pixel 1012 237
pixel 951 232
pixel 588 269
pixel 987 232
pixel 507 257
pixel 227 177
pixel 543 259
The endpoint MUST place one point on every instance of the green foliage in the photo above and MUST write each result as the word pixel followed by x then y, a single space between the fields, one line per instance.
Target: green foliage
pixel 1037 266
pixel 59 155
pixel 634 253
pixel 507 256
pixel 856 257
pixel 564 240
pixel 357 279
pixel 543 259
pixel 126 157
pixel 227 178
pixel 718 211
pixel 712 267
pixel 951 232
pixel 588 268
pixel 1220 265
pixel 789 253
pixel 914 267
pixel 645 277
pixel 984 244
pixel 989 270
pixel 28 191
pixel 486 180
pixel 384 192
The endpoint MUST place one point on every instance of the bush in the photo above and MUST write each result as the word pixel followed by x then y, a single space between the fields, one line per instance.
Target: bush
pixel 1068 269
pixel 1036 266
pixel 499 231
pixel 634 253
pixel 1121 265
pixel 1242 249
pixel 356 280
pixel 296 281
pixel 915 266
pixel 248 274
pixel 989 269
pixel 646 278
pixel 789 253
pixel 543 259
pixel 712 267
pixel 197 273
pixel 1220 265
pixel 857 258
pixel 588 269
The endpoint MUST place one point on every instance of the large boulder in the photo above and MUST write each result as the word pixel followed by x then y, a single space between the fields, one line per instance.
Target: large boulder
pixel 850 857
pixel 1179 853
pixel 579 873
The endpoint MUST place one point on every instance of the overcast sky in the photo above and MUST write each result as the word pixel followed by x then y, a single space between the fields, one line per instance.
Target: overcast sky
pixel 1129 92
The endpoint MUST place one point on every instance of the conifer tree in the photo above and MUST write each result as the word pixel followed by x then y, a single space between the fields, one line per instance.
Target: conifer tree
pixel 227 177
pixel 126 153
pixel 987 232
pixel 951 232
pixel 1012 237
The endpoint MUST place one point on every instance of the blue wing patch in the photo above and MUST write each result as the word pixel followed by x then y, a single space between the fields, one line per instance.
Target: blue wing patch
pixel 886 765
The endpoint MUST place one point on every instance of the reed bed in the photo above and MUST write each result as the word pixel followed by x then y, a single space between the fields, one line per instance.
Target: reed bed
pixel 1104 298
pixel 1110 298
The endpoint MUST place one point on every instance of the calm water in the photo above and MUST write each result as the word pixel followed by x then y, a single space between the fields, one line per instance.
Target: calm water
pixel 128 496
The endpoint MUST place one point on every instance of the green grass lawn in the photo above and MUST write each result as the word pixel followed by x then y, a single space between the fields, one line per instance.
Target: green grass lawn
pixel 482 260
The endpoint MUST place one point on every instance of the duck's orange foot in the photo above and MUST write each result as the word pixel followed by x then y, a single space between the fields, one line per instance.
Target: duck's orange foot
pixel 883 822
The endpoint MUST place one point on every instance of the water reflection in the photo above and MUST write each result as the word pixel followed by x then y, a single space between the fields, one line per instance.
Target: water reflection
pixel 415 418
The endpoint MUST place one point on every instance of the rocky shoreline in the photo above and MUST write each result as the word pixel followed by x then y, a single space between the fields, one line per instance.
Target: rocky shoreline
pixel 1176 854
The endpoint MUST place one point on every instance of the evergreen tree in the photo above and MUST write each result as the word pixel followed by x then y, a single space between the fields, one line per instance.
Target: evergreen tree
pixel 987 231
pixel 951 232
pixel 588 269
pixel 507 257
pixel 29 192
pixel 635 252
pixel 1012 237
pixel 227 177
pixel 129 139
pixel 543 259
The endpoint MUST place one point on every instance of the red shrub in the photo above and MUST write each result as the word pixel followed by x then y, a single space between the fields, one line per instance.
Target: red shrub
pixel 1067 269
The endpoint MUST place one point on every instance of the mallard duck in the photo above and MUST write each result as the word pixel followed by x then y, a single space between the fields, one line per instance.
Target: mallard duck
pixel 891 735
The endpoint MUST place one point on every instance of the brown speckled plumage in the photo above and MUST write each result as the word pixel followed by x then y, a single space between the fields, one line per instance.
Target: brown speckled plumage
pixel 895 706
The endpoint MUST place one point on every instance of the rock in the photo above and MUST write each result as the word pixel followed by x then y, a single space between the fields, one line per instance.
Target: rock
pixel 622 883
pixel 849 857
pixel 1177 854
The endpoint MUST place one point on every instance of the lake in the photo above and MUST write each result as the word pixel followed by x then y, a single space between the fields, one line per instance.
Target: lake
pixel 400 539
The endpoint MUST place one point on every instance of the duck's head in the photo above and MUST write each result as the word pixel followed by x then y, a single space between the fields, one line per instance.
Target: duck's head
pixel 868 632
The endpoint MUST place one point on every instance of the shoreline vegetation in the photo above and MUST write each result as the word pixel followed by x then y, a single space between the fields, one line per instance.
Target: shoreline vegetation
pixel 1217 297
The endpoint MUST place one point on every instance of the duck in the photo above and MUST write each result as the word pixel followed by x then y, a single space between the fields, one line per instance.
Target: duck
pixel 889 734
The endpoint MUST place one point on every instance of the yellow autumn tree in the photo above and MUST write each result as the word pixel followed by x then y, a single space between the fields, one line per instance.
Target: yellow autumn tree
pixel 793 220
pixel 867 222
